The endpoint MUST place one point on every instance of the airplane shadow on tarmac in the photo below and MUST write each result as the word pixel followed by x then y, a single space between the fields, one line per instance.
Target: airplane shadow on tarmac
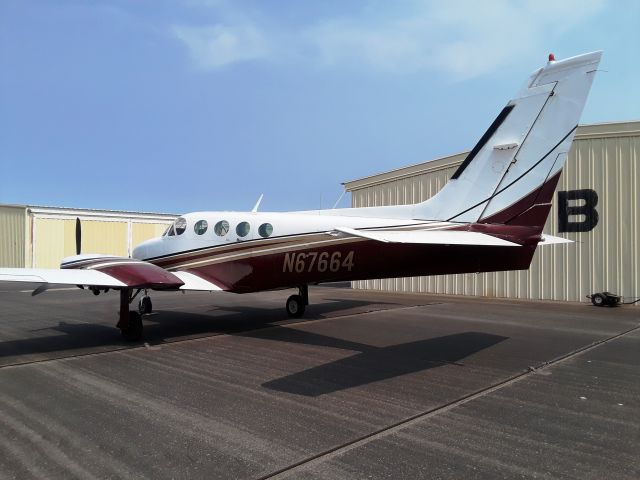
pixel 371 364
pixel 166 326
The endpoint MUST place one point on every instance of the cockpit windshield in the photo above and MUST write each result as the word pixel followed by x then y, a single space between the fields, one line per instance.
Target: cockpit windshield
pixel 178 227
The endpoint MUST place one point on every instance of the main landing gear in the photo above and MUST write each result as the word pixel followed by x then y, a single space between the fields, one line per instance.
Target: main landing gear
pixel 144 305
pixel 296 304
pixel 130 322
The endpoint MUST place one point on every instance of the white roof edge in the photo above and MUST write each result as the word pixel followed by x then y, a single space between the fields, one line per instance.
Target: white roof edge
pixel 440 162
pixel 618 122
pixel 86 211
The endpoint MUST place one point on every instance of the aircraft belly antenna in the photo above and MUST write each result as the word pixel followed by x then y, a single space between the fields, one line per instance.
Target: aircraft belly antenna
pixel 255 208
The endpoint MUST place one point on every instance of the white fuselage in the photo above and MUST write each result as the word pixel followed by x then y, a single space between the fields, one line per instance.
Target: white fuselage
pixel 196 236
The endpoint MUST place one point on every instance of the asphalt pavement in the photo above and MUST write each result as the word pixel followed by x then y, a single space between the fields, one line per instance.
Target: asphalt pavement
pixel 366 385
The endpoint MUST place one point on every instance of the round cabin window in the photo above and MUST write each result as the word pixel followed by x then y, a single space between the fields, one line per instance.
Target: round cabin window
pixel 221 228
pixel 243 229
pixel 200 227
pixel 265 230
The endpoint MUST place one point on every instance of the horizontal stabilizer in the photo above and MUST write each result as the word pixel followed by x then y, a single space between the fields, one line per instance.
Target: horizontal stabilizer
pixel 551 240
pixel 434 237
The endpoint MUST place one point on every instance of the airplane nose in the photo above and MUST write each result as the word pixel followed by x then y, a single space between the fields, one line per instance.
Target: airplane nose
pixel 140 252
pixel 148 249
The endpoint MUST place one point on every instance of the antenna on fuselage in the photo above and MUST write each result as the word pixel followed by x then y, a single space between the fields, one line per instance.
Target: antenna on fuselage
pixel 255 208
pixel 340 198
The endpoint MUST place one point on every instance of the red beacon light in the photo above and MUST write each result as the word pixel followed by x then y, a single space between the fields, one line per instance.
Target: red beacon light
pixel 552 57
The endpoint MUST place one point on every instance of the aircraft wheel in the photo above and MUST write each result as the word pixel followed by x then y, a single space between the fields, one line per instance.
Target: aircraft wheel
pixel 295 306
pixel 597 299
pixel 133 332
pixel 145 306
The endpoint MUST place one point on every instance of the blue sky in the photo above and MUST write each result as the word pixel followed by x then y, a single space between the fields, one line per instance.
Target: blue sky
pixel 177 106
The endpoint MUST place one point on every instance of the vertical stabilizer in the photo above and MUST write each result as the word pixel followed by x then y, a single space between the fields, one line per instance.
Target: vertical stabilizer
pixel 511 174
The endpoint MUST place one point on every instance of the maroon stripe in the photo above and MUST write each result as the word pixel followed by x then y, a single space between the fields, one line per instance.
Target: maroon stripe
pixel 88 262
pixel 142 275
pixel 179 259
pixel 541 195
pixel 371 259
pixel 215 250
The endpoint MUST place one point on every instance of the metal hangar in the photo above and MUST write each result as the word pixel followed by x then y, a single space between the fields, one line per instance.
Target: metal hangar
pixel 40 237
pixel 596 206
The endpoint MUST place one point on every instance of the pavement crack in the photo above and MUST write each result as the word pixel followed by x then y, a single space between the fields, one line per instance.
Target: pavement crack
pixel 295 468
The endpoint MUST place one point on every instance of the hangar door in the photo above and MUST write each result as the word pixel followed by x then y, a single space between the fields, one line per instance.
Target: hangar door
pixel 55 239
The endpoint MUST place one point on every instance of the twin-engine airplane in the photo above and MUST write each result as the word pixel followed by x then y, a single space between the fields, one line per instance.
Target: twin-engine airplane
pixel 488 217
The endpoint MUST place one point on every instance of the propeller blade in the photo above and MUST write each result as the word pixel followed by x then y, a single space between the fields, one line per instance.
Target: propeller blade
pixel 78 236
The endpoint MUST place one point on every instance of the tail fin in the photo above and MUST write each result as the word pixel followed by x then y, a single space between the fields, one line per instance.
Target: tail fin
pixel 511 174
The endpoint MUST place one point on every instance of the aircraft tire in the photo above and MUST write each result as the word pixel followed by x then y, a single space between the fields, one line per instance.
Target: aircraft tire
pixel 133 332
pixel 145 306
pixel 295 306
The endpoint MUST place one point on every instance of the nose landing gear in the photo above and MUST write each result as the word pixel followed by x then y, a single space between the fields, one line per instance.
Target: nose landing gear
pixel 296 304
pixel 130 322
pixel 133 332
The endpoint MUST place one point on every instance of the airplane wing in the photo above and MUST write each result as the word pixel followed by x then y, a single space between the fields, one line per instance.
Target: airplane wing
pixel 111 272
pixel 434 237
pixel 59 276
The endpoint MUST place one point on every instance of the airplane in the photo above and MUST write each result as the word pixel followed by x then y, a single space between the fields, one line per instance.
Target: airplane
pixel 488 217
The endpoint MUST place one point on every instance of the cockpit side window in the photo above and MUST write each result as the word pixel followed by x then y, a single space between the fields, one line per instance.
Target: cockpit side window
pixel 180 226
pixel 166 232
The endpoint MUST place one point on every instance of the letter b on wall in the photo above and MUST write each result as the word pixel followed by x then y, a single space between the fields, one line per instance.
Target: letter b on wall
pixel 584 204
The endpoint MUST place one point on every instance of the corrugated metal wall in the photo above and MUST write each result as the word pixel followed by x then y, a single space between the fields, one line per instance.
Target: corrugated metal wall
pixel 55 239
pixel 13 228
pixel 604 158
pixel 404 191
pixel 105 237
pixel 42 236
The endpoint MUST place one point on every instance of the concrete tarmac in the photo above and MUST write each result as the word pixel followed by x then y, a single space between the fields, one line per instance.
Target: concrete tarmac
pixel 367 385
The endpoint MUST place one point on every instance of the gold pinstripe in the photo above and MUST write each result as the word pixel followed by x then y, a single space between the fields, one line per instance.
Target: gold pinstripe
pixel 262 252
pixel 291 244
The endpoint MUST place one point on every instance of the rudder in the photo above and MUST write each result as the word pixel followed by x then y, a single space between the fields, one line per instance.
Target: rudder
pixel 510 176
